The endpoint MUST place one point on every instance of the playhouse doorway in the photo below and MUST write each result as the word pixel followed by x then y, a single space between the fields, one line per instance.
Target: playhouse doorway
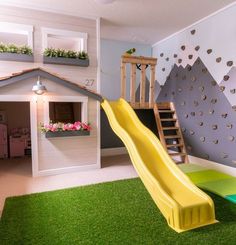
pixel 15 138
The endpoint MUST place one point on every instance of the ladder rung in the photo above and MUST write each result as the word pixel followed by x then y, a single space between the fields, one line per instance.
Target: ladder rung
pixel 174 145
pixel 177 154
pixel 179 162
pixel 170 128
pixel 168 120
pixel 172 137
pixel 166 111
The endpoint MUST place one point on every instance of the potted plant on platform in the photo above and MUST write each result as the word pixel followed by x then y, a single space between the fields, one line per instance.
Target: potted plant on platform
pixel 65 57
pixel 13 52
pixel 53 130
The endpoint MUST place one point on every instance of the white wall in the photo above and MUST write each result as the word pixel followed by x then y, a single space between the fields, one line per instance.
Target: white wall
pixel 216 33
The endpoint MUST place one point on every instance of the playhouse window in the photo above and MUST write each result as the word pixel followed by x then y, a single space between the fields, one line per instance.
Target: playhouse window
pixel 18 34
pixel 66 112
pixel 69 40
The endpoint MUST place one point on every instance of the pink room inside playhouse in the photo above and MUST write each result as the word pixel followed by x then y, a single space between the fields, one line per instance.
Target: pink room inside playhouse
pixel 15 136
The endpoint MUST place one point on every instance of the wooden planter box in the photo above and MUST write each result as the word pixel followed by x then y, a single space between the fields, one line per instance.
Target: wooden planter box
pixel 66 134
pixel 16 57
pixel 65 61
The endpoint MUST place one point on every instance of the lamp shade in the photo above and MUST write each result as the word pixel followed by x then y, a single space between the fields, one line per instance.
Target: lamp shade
pixel 39 88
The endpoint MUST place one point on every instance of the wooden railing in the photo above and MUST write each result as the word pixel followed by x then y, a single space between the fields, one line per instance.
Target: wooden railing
pixel 143 63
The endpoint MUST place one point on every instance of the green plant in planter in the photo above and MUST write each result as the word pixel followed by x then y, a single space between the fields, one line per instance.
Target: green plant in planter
pixel 82 55
pixel 62 53
pixel 12 48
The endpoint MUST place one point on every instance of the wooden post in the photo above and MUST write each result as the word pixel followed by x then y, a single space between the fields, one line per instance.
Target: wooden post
pixel 152 86
pixel 142 85
pixel 123 80
pixel 132 84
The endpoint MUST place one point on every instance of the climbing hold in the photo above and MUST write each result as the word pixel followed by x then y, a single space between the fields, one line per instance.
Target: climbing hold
pixel 234 107
pixel 195 103
pixel 229 63
pixel 200 113
pixel 161 54
pixel 183 47
pixel 175 55
pixel 231 138
pixel 226 78
pixel 163 69
pixel 215 142
pixel 203 97
pixel 209 51
pixel 218 60
pixel 191 88
pixel 224 115
pixel 204 70
pixel 224 155
pixel 191 132
pixel 214 126
pixel 198 62
pixel 167 59
pixel 183 130
pixel 232 91
pixel 197 48
pixel 213 83
pixel 189 68
pixel 186 115
pixel 200 124
pixel 165 95
pixel 179 90
pixel 211 111
pixel 190 56
pixel 173 92
pixel 222 88
pixel 201 88
pixel 229 125
pixel 182 103
pixel 193 78
pixel 193 31
pixel 168 78
pixel 193 114
pixel 179 61
pixel 202 139
pixel 213 101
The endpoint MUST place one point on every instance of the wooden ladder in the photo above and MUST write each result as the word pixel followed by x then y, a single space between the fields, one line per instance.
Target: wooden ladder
pixel 170 132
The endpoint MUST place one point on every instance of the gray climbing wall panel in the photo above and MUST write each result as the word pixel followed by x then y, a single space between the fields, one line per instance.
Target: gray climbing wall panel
pixel 206 116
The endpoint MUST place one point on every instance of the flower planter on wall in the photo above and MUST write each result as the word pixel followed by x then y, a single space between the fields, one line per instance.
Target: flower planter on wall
pixel 66 133
pixel 65 61
pixel 16 57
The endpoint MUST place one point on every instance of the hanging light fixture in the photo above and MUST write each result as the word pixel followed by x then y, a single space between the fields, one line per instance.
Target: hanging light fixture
pixel 39 88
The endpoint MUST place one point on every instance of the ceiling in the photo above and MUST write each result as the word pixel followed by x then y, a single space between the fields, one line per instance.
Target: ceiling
pixel 140 21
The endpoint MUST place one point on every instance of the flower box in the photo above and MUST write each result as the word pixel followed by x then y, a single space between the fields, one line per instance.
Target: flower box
pixel 51 134
pixel 66 61
pixel 16 57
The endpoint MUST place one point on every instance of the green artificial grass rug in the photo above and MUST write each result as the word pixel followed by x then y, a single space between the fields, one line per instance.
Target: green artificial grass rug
pixel 120 212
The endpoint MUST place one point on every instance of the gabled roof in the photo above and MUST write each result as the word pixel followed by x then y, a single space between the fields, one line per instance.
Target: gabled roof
pixel 34 72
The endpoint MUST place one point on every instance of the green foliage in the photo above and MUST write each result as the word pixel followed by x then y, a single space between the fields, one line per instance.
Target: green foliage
pixel 52 52
pixel 120 212
pixel 13 48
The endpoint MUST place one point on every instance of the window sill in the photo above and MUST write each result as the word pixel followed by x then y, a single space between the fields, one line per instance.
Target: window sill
pixel 16 57
pixel 65 61
pixel 66 134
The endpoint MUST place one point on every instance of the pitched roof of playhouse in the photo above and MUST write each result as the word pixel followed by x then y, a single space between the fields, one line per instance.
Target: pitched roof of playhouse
pixel 33 72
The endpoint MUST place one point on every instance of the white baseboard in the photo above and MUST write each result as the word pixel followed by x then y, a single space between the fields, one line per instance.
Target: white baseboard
pixel 113 151
pixel 213 165
pixel 67 170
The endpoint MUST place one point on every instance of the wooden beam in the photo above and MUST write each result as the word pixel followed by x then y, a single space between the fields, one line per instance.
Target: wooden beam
pixel 152 86
pixel 142 85
pixel 138 60
pixel 132 84
pixel 123 80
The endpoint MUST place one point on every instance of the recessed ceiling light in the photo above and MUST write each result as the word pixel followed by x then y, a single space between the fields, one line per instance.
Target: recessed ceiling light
pixel 104 1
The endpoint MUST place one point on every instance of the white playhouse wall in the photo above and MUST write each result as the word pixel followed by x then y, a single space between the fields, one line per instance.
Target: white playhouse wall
pixel 61 154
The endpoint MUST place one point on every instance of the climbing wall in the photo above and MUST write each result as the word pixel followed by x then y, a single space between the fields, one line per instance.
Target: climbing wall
pixel 206 115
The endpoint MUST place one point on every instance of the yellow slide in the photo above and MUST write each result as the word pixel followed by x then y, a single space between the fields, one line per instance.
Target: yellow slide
pixel 183 205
